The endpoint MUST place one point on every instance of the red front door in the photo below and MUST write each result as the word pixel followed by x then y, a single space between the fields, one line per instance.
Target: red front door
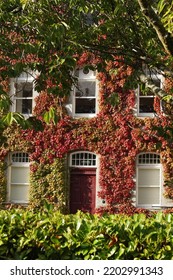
pixel 82 189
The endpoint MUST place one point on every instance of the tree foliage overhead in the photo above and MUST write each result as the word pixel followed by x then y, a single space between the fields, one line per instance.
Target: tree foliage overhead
pixel 52 38
pixel 47 36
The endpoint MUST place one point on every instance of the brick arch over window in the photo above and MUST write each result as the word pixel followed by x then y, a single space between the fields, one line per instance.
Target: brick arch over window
pixel 149 180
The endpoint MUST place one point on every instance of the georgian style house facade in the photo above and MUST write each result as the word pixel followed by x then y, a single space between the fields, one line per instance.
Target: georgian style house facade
pixel 105 152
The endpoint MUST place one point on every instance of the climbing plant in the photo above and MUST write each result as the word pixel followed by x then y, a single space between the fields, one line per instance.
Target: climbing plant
pixel 116 134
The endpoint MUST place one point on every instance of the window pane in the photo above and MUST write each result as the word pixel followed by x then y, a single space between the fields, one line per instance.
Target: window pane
pixel 27 92
pixel 24 89
pixel 19 175
pixel 86 88
pixel 149 177
pixel 148 195
pixel 24 106
pixel 19 193
pixel 149 158
pixel 146 104
pixel 24 94
pixel 20 157
pixel 83 159
pixel 85 106
pixel 157 82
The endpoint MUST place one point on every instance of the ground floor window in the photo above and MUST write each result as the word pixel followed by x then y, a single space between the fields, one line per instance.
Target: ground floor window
pixel 18 177
pixel 149 180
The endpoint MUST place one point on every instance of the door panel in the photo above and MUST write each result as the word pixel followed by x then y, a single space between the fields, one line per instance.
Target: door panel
pixel 82 190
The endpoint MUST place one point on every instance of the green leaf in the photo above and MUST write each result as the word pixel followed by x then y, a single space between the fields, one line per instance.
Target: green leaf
pixel 161 5
pixel 50 116
pixel 168 248
pixel 8 119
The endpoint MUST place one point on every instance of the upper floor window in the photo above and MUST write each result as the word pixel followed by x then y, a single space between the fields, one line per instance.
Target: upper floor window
pixel 146 96
pixel 23 94
pixel 85 94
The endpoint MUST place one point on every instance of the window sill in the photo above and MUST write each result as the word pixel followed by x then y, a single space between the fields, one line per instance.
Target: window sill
pixel 18 202
pixel 149 115
pixel 12 203
pixel 87 116
pixel 155 207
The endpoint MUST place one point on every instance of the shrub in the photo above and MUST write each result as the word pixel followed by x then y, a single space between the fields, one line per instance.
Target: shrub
pixel 52 235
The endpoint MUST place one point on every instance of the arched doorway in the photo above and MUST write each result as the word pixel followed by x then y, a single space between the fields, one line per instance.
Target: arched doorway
pixel 82 181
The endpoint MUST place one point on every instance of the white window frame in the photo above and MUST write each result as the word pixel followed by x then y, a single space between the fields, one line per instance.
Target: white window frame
pixel 153 77
pixel 151 166
pixel 14 165
pixel 25 77
pixel 85 158
pixel 90 77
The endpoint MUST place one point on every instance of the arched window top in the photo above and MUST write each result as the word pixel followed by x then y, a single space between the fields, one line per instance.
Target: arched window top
pixel 24 76
pixel 85 74
pixel 148 158
pixel 19 157
pixel 82 159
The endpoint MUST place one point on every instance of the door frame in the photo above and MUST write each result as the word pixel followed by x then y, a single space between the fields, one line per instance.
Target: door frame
pixel 78 168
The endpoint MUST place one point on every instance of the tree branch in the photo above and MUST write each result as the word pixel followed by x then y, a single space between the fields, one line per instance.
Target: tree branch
pixel 164 36
pixel 150 85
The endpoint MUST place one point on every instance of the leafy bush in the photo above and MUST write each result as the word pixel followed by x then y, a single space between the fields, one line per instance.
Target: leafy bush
pixel 51 235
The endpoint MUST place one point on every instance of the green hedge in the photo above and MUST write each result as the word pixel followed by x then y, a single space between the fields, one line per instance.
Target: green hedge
pixel 51 235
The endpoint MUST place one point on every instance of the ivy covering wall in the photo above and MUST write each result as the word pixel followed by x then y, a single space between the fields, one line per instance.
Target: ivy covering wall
pixel 49 183
pixel 3 183
pixel 116 134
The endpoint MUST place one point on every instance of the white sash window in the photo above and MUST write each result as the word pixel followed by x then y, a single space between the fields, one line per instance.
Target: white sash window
pixel 145 97
pixel 149 180
pixel 23 94
pixel 85 94
pixel 18 177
